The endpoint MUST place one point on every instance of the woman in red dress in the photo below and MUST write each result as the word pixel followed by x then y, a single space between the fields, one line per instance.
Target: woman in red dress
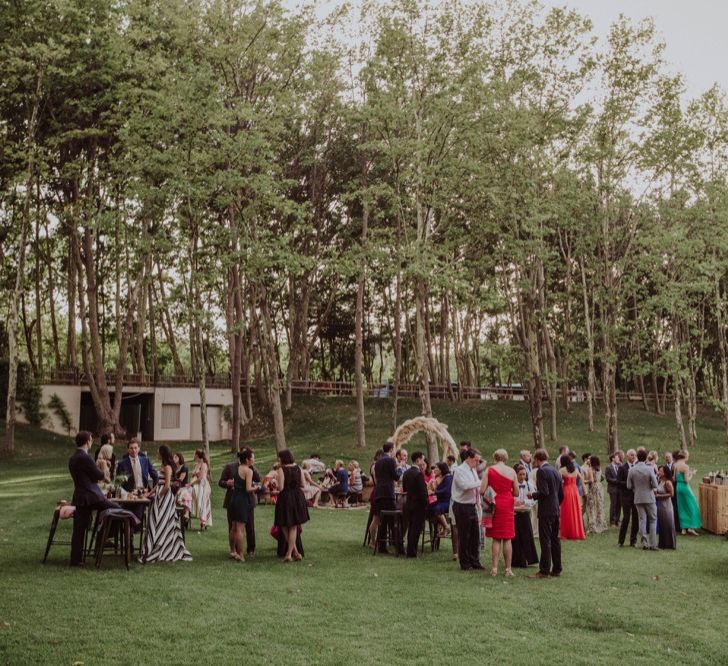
pixel 572 524
pixel 504 483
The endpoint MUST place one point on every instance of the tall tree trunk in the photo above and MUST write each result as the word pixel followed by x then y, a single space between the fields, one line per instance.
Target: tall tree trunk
pixel 38 276
pixel 71 285
pixel 358 325
pixel 271 366
pixel 14 321
pixel 589 330
pixel 723 355
pixel 165 320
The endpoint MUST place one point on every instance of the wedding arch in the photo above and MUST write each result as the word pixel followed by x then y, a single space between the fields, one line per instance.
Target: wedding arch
pixel 427 424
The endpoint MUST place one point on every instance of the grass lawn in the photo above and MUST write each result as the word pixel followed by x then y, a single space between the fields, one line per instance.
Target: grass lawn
pixel 341 605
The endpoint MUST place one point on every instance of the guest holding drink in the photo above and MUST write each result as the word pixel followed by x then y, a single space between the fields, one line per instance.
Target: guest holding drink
pixel 504 482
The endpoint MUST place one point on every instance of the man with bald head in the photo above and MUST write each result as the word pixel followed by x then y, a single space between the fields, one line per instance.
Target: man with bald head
pixel 626 499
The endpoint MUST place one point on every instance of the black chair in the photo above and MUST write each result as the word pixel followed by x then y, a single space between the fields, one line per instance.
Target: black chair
pixel 390 532
pixel 121 523
pixel 52 541
pixel 430 533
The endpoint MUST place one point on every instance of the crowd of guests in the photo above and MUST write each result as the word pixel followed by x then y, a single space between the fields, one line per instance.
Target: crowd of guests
pixel 532 499
pixel 465 500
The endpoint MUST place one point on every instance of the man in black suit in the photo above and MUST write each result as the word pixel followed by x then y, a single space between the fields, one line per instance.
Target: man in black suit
pixel 415 505
pixel 549 493
pixel 626 499
pixel 226 482
pixel 385 476
pixel 87 495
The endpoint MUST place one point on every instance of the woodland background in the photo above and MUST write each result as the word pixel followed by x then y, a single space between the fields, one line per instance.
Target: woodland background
pixel 449 194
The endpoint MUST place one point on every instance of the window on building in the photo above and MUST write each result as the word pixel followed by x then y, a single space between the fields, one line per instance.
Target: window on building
pixel 170 417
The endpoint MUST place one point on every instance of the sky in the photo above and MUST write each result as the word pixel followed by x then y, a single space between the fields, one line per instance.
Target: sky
pixel 695 32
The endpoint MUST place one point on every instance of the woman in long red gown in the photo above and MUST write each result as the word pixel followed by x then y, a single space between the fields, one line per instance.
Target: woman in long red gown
pixel 572 523
pixel 504 482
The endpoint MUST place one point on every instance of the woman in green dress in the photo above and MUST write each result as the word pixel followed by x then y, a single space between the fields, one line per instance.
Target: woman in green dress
pixel 687 505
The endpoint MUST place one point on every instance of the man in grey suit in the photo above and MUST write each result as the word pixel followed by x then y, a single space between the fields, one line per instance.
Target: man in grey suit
pixel 641 480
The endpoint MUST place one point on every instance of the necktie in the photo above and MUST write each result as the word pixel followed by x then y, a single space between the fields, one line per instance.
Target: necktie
pixel 137 470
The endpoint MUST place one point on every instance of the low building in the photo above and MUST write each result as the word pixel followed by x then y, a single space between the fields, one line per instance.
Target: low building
pixel 152 413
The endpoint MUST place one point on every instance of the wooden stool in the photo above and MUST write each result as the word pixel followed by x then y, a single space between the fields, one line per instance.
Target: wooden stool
pixel 109 522
pixel 390 531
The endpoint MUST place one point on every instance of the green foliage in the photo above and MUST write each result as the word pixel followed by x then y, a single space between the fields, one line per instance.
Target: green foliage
pixel 58 407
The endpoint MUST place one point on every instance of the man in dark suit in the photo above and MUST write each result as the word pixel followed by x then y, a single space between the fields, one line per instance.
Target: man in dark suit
pixel 87 495
pixel 611 472
pixel 385 476
pixel 549 493
pixel 137 468
pixel 226 482
pixel 626 499
pixel 415 505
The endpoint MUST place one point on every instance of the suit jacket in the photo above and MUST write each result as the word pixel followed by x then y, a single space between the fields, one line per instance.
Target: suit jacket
pixel 641 480
pixel 549 492
pixel 626 495
pixel 85 475
pixel 147 468
pixel 610 473
pixel 385 475
pixel 413 483
pixel 228 473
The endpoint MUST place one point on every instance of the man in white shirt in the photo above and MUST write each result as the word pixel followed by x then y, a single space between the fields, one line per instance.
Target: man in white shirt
pixel 466 491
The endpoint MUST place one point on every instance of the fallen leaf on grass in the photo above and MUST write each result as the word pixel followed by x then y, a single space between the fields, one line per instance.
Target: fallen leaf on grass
pixel 4 625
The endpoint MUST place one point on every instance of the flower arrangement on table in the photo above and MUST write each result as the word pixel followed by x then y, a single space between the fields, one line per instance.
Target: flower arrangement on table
pixel 119 481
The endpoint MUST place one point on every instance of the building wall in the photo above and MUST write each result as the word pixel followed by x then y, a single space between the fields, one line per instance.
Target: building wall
pixel 188 399
pixel 71 396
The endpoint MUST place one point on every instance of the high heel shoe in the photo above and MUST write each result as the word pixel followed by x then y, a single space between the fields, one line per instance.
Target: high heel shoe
pixel 494 572
pixel 508 573
pixel 287 559
pixel 298 557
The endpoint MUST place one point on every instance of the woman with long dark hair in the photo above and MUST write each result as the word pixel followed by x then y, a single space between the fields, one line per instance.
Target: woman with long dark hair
pixel 240 504
pixel 593 496
pixel 163 541
pixel 572 523
pixel 291 509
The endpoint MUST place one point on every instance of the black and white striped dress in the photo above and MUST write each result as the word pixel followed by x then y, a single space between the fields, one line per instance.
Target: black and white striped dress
pixel 163 541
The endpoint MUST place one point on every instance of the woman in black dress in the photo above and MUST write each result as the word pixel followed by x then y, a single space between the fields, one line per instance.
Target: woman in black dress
pixel 291 508
pixel 240 504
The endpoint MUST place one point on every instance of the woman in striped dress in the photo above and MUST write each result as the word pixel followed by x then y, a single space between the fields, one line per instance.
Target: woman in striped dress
pixel 201 489
pixel 163 541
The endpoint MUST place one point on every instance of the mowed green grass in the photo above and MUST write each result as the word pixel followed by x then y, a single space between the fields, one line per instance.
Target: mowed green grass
pixel 341 605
